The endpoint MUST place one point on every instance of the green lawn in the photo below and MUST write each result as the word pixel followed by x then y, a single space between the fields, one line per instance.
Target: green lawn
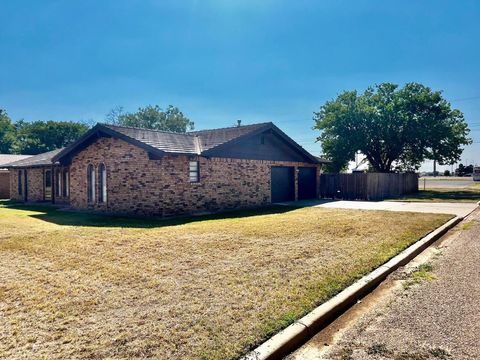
pixel 74 285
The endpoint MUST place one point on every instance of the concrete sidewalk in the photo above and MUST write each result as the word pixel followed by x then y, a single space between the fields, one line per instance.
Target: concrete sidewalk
pixel 459 209
pixel 435 315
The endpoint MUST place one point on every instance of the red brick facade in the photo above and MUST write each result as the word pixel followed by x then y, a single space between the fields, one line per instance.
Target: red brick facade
pixel 138 185
pixel 35 188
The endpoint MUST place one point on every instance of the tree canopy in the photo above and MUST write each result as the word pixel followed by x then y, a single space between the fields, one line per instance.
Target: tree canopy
pixel 463 170
pixel 152 117
pixel 40 136
pixel 395 128
pixel 7 133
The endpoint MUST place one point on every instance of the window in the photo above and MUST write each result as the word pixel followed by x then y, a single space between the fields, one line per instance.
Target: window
pixel 58 178
pixel 91 184
pixel 194 171
pixel 47 195
pixel 66 185
pixel 20 182
pixel 102 180
pixel 48 179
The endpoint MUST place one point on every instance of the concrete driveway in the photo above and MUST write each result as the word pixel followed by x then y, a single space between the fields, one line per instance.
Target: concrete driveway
pixel 458 209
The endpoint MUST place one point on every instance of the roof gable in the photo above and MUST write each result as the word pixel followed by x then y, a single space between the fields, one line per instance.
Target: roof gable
pixel 278 146
pixel 209 139
pixel 216 142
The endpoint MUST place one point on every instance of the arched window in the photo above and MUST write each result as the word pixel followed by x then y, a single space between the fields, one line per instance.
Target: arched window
pixel 102 182
pixel 91 184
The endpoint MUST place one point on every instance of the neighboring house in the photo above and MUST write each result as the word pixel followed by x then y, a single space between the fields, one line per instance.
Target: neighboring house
pixel 128 170
pixel 5 173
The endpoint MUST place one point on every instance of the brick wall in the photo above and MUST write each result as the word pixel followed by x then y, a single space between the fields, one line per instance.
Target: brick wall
pixel 162 187
pixel 4 184
pixel 35 184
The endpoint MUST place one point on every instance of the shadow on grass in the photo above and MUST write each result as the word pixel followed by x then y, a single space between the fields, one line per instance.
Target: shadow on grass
pixel 54 215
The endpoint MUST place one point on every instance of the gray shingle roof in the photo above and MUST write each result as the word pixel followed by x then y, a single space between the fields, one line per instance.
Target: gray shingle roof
pixel 9 158
pixel 163 140
pixel 36 160
pixel 194 142
pixel 211 138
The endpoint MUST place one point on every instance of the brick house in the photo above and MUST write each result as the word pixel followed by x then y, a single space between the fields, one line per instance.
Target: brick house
pixel 5 159
pixel 127 170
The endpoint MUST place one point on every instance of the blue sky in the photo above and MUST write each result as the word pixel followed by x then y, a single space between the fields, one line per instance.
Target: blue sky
pixel 222 60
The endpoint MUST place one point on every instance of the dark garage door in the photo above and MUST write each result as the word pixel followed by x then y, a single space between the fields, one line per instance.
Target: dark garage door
pixel 307 183
pixel 283 183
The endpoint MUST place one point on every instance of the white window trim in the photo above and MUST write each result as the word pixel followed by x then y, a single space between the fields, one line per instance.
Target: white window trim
pixel 103 175
pixel 197 171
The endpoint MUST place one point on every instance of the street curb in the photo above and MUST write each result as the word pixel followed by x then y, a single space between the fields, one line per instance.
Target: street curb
pixel 295 335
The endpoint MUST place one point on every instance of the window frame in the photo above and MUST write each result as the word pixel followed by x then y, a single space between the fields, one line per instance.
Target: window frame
pixel 102 183
pixel 91 183
pixel 58 181
pixel 66 183
pixel 196 171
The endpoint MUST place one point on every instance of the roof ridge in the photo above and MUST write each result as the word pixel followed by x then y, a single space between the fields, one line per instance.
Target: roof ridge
pixel 145 129
pixel 188 133
pixel 230 127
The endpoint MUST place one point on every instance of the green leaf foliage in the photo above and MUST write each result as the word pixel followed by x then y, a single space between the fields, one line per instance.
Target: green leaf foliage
pixel 395 128
pixel 152 117
pixel 7 133
pixel 40 136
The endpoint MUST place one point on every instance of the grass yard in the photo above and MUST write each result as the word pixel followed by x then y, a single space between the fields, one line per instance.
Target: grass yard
pixel 75 285
pixel 468 194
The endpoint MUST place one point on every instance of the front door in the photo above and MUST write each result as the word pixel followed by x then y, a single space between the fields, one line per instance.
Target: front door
pixel 282 183
pixel 48 185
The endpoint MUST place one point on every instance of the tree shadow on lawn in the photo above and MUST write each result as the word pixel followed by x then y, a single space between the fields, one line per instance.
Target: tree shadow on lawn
pixel 54 214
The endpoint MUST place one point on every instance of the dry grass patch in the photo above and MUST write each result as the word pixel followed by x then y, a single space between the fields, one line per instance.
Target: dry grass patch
pixel 77 285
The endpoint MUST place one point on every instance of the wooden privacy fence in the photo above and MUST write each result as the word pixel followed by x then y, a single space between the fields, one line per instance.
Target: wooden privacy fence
pixel 368 186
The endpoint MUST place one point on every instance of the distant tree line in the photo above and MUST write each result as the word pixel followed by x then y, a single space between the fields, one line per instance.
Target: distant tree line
pixel 31 138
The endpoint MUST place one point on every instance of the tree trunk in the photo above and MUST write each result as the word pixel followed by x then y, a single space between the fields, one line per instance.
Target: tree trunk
pixel 434 168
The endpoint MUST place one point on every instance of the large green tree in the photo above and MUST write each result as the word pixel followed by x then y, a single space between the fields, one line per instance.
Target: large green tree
pixel 393 127
pixel 40 136
pixel 152 117
pixel 7 133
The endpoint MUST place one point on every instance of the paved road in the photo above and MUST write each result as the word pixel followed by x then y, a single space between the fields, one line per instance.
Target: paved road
pixel 459 209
